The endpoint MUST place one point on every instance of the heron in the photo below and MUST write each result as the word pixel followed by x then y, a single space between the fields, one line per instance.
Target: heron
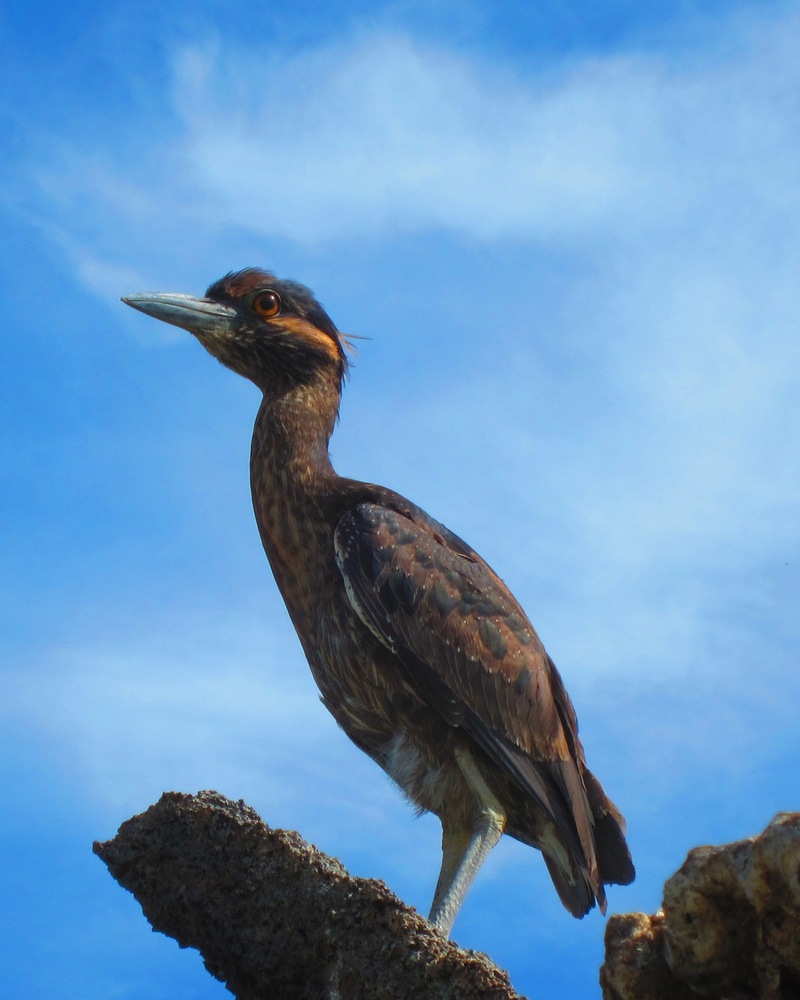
pixel 419 650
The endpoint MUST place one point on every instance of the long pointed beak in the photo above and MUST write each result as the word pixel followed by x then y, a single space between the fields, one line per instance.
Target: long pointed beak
pixel 199 316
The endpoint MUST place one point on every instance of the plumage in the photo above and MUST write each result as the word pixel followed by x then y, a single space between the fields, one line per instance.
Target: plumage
pixel 420 651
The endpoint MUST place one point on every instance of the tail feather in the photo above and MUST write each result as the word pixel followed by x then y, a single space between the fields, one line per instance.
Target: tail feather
pixel 613 857
pixel 579 871
pixel 572 884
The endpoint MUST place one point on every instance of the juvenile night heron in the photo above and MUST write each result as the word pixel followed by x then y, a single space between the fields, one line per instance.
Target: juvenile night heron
pixel 420 651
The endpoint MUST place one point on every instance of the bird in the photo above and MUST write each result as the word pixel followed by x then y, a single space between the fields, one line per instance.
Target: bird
pixel 419 650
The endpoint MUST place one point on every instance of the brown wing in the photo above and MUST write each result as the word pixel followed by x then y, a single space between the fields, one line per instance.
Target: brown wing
pixel 469 646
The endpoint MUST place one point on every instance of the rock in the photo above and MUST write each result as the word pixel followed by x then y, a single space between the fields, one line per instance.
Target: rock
pixel 729 926
pixel 634 965
pixel 274 917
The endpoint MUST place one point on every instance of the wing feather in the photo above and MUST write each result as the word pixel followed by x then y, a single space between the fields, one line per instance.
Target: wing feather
pixel 472 651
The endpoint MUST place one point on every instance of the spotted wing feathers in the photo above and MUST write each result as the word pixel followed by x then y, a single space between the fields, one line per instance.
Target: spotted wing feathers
pixel 471 650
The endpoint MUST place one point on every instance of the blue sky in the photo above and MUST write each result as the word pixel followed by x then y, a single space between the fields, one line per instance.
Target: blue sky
pixel 570 231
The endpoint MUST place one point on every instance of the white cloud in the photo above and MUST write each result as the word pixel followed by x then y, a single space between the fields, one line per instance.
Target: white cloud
pixel 174 710
pixel 386 133
pixel 224 702
pixel 383 133
pixel 380 134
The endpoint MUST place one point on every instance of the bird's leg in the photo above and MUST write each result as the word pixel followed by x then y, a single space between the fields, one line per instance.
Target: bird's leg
pixel 455 843
pixel 464 851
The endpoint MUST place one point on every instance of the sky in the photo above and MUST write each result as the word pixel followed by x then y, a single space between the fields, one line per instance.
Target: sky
pixel 569 233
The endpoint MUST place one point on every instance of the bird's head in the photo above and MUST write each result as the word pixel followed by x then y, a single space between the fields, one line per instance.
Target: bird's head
pixel 273 332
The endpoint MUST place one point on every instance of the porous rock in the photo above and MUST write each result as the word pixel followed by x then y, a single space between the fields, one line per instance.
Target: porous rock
pixel 275 918
pixel 729 927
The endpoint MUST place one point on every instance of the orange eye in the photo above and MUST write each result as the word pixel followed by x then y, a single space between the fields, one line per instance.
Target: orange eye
pixel 267 304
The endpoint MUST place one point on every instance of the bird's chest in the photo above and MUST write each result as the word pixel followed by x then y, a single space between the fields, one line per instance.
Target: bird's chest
pixel 348 664
pixel 368 692
pixel 362 683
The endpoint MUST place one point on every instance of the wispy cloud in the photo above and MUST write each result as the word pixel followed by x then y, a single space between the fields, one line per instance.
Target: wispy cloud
pixel 385 133
pixel 227 702
pixel 381 134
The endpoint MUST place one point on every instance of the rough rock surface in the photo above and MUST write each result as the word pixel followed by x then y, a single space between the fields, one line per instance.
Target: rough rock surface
pixel 729 926
pixel 273 917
